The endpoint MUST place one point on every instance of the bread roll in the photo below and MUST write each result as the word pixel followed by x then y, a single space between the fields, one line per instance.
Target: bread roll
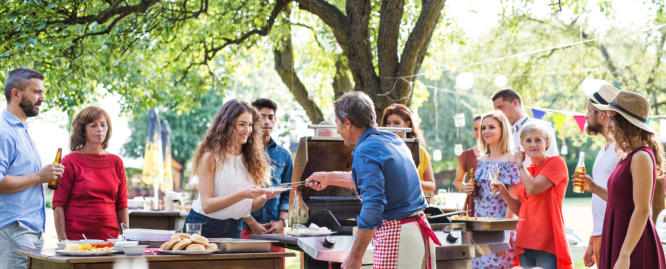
pixel 199 239
pixel 181 236
pixel 211 246
pixel 182 244
pixel 169 244
pixel 195 247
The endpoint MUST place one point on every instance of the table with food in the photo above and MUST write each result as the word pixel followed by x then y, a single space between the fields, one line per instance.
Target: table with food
pixel 180 250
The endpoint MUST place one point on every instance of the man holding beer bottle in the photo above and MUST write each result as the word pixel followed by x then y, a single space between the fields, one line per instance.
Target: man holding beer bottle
pixel 604 164
pixel 21 176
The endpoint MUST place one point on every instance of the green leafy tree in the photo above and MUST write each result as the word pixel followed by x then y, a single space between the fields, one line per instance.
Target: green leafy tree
pixel 170 52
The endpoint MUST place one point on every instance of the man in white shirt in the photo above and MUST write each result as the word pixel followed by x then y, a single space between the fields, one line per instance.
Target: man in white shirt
pixel 509 102
pixel 604 164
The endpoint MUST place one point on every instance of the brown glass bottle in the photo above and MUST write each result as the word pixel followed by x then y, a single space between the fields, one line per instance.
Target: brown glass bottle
pixel 471 180
pixel 53 184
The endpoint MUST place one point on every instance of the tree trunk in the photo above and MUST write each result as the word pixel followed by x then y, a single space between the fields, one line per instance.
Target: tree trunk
pixel 351 31
pixel 341 82
pixel 283 53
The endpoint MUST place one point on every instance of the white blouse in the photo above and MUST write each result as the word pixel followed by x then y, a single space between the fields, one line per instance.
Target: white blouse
pixel 230 177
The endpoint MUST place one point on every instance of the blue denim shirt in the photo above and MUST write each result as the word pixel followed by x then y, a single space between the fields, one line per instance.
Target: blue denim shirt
pixel 19 156
pixel 386 179
pixel 281 168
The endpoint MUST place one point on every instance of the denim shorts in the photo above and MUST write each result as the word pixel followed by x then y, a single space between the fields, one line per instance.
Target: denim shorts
pixel 215 228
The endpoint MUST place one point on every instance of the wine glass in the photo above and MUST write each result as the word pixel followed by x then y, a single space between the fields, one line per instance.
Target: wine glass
pixel 493 173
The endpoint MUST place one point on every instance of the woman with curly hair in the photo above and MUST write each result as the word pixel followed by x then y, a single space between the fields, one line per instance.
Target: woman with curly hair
pixel 629 238
pixel 231 165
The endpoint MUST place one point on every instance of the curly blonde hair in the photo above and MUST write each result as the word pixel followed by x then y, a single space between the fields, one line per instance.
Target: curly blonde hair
pixel 220 138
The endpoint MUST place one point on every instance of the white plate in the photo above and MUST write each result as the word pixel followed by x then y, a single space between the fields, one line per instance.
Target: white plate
pixel 187 252
pixel 83 253
pixel 310 233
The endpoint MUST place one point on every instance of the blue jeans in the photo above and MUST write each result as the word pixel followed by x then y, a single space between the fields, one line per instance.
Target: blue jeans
pixel 13 237
pixel 543 259
pixel 215 228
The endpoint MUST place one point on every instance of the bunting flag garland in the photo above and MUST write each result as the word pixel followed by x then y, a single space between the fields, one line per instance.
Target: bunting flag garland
pixel 580 120
pixel 559 120
pixel 537 113
pixel 560 116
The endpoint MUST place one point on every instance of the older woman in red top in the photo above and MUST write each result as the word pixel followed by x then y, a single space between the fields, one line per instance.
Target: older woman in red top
pixel 92 195
pixel 540 238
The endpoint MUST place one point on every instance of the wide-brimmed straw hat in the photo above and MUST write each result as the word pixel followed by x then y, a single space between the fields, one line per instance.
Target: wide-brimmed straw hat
pixel 603 95
pixel 632 106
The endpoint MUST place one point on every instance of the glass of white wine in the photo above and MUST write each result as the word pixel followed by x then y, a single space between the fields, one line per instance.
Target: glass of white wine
pixel 493 173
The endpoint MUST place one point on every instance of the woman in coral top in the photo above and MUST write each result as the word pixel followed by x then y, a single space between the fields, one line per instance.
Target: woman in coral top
pixel 92 195
pixel 540 239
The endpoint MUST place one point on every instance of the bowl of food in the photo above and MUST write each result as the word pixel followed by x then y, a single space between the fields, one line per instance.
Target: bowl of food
pixel 136 250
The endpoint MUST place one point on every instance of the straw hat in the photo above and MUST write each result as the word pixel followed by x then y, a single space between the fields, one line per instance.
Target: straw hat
pixel 603 95
pixel 632 106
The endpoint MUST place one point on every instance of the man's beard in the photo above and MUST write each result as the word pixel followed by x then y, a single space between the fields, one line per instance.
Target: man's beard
pixel 594 129
pixel 30 109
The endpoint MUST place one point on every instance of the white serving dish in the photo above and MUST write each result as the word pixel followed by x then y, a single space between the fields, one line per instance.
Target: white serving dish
pixel 137 250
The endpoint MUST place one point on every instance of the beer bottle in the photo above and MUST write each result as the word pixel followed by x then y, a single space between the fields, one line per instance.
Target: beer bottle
pixel 53 184
pixel 472 181
pixel 579 183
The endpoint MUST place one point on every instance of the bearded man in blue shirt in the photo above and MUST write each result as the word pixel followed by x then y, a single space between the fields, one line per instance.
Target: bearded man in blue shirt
pixel 387 182
pixel 22 216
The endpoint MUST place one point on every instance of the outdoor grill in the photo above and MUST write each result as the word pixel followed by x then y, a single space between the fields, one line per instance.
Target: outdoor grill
pixel 336 208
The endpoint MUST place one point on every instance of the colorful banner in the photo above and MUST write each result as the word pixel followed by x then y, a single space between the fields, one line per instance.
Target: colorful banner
pixel 580 120
pixel 538 114
pixel 559 120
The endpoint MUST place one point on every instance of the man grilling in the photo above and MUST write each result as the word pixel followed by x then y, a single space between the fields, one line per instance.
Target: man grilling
pixel 386 179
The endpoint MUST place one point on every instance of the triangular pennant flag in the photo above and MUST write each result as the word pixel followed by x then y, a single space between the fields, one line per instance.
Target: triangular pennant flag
pixel 559 120
pixel 580 120
pixel 538 114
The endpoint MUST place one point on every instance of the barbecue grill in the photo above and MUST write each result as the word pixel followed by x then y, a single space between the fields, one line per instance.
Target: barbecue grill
pixel 336 208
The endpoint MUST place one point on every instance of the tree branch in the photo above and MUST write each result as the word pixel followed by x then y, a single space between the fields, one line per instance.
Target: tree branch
pixel 284 65
pixel 418 41
pixel 212 50
pixel 387 39
pixel 360 55
pixel 108 13
pixel 332 17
